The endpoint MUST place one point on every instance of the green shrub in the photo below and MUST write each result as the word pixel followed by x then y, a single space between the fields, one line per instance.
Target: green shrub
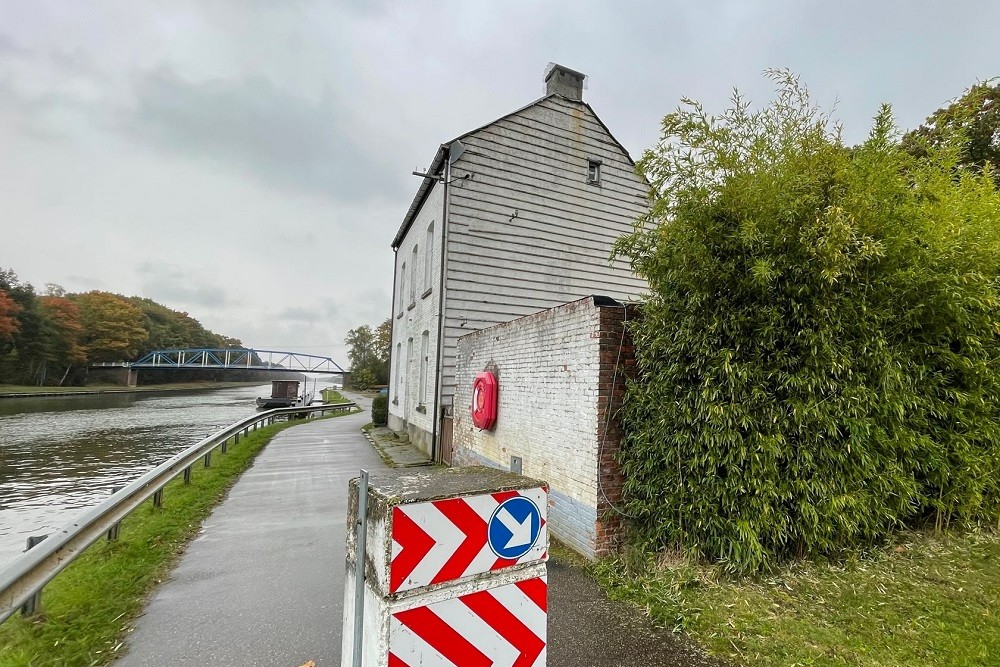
pixel 380 410
pixel 817 359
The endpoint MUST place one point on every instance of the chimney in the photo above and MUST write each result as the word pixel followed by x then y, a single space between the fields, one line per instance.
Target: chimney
pixel 563 81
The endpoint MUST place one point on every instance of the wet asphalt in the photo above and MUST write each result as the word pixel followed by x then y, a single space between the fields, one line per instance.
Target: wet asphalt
pixel 263 583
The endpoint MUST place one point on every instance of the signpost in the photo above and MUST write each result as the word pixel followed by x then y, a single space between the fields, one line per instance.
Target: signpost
pixel 454 568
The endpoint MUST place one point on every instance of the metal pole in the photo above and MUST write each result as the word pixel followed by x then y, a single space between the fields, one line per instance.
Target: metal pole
pixel 359 567
pixel 35 601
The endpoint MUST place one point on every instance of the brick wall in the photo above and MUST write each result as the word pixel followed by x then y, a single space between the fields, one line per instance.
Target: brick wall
pixel 558 393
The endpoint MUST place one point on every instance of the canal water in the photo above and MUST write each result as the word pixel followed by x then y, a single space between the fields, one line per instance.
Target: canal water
pixel 62 455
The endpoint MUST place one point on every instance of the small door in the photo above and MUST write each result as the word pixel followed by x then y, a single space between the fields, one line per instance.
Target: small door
pixel 447 439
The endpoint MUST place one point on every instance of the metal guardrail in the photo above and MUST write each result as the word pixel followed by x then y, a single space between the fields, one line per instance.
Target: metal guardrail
pixel 22 580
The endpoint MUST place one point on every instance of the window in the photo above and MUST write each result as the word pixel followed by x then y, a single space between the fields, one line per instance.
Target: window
pixel 428 259
pixel 425 338
pixel 413 277
pixel 395 387
pixel 594 172
pixel 409 357
pixel 402 289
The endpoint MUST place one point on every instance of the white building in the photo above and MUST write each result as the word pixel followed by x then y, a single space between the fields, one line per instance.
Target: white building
pixel 512 218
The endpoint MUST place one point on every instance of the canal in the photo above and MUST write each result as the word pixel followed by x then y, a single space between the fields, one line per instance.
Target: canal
pixel 61 455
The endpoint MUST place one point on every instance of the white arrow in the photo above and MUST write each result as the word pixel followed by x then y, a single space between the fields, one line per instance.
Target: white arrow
pixel 520 532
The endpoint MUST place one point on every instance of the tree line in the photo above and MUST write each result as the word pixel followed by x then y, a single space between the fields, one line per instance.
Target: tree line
pixel 50 338
pixel 817 359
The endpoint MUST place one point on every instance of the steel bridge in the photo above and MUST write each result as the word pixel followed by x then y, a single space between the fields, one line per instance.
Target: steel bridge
pixel 232 359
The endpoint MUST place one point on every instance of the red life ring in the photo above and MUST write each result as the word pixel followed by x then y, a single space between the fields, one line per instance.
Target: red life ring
pixel 484 401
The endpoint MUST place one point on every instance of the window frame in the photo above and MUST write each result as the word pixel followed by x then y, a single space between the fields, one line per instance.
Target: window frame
pixel 428 261
pixel 594 168
pixel 402 290
pixel 413 274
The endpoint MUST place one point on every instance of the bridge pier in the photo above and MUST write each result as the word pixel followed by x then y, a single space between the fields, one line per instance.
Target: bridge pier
pixel 122 375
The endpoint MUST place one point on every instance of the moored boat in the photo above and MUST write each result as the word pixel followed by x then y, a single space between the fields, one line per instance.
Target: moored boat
pixel 284 393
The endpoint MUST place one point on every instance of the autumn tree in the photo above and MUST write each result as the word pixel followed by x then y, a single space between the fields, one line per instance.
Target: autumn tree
pixel 112 327
pixel 65 331
pixel 23 354
pixel 9 324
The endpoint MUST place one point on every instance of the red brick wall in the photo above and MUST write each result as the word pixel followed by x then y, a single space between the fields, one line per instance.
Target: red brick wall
pixel 617 364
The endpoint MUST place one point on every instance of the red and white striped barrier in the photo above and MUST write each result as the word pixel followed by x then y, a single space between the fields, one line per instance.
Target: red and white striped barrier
pixel 498 627
pixel 456 581
pixel 445 540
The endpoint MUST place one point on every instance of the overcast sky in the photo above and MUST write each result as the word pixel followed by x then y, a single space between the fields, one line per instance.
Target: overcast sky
pixel 249 161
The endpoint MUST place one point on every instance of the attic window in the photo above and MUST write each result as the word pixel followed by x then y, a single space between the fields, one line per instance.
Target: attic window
pixel 593 172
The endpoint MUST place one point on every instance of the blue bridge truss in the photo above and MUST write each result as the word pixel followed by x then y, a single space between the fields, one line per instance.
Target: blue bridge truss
pixel 234 359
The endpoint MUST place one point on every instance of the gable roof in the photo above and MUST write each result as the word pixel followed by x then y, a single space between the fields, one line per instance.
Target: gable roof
pixel 433 172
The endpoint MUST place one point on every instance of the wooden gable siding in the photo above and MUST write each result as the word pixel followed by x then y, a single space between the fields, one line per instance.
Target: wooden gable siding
pixel 556 248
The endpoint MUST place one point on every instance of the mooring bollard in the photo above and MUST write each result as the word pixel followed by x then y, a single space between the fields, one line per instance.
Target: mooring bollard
pixel 114 530
pixel 453 570
pixel 34 603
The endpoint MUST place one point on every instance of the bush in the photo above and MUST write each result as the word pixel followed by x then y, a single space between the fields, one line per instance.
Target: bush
pixel 817 357
pixel 380 410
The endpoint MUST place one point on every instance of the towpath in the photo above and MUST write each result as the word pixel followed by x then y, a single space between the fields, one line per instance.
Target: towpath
pixel 263 584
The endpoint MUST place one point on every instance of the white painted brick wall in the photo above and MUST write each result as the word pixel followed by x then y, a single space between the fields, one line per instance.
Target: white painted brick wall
pixel 407 323
pixel 548 370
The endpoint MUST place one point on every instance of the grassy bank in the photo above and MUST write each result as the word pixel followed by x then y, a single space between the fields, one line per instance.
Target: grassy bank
pixel 931 600
pixel 333 396
pixel 178 386
pixel 87 608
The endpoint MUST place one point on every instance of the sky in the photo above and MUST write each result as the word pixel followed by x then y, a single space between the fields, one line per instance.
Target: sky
pixel 249 161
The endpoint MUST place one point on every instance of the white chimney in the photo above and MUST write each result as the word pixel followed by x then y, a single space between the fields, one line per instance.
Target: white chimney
pixel 564 81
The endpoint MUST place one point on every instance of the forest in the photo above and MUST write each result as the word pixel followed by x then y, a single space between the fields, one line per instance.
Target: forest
pixel 50 338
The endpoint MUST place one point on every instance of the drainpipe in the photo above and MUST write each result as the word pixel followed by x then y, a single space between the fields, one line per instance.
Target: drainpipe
pixel 392 328
pixel 438 411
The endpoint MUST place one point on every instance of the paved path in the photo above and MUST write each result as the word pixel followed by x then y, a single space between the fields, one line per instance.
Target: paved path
pixel 263 583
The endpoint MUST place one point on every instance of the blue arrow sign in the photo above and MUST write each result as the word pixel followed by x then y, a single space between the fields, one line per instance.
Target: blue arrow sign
pixel 514 527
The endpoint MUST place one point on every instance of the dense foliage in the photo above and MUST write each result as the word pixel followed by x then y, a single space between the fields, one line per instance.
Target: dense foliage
pixel 380 410
pixel 971 122
pixel 50 338
pixel 817 361
pixel 368 352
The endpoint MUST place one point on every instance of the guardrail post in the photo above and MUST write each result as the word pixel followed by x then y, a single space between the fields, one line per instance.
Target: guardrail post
pixel 114 530
pixel 187 475
pixel 158 498
pixel 208 459
pixel 225 446
pixel 236 438
pixel 35 601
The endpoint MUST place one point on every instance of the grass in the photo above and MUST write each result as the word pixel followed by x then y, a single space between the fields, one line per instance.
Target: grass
pixel 929 600
pixel 333 396
pixel 86 609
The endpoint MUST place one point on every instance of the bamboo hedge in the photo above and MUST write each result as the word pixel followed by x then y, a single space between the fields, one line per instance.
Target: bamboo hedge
pixel 818 357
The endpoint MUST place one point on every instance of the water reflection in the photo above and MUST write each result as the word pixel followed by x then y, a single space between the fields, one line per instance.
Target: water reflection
pixel 61 455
